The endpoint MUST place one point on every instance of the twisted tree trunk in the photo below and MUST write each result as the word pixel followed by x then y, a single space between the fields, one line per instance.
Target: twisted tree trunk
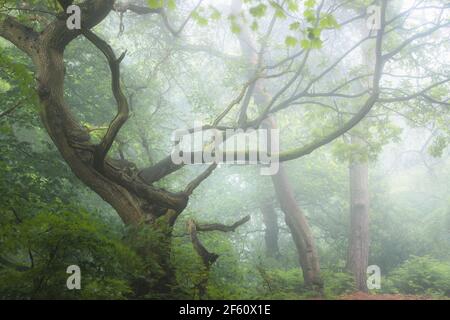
pixel 208 258
pixel 135 200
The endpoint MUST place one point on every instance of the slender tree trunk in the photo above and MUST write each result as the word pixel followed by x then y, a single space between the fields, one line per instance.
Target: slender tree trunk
pixel 358 251
pixel 294 216
pixel 300 230
pixel 271 232
pixel 358 248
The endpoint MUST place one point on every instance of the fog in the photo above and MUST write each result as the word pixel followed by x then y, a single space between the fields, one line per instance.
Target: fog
pixel 225 149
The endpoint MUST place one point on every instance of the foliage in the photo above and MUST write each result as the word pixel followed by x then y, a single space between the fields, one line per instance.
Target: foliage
pixel 337 283
pixel 44 245
pixel 421 276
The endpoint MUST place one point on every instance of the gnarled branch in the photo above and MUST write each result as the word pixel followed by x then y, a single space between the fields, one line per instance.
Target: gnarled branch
pixel 208 258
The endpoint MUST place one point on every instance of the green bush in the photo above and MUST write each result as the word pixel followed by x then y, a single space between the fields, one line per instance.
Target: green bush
pixel 38 250
pixel 420 275
pixel 337 283
pixel 286 281
pixel 280 284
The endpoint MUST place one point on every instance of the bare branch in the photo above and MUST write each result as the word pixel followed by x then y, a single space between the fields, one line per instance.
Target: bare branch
pixel 222 227
pixel 207 257
pixel 197 181
pixel 160 11
pixel 408 41
pixel 421 93
pixel 371 101
pixel 7 112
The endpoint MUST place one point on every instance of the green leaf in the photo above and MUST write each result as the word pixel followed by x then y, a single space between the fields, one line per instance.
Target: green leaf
pixel 155 4
pixel 171 4
pixel 279 13
pixel 310 15
pixel 310 3
pixel 258 11
pixel 293 6
pixel 215 15
pixel 305 44
pixel 291 41
pixel 294 26
pixel 235 28
pixel 328 22
pixel 316 44
pixel 201 21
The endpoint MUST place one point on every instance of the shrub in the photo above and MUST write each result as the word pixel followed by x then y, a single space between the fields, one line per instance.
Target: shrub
pixel 337 283
pixel 40 248
pixel 420 275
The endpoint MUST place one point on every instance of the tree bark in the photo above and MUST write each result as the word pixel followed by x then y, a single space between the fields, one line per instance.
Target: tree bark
pixel 358 247
pixel 358 251
pixel 300 230
pixel 271 232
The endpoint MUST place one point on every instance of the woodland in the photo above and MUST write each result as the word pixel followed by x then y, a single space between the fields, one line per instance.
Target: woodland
pixel 92 92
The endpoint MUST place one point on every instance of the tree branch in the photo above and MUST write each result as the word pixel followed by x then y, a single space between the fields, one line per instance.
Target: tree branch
pixel 122 8
pixel 193 227
pixel 371 101
pixel 222 227
pixel 207 257
pixel 122 103
pixel 197 181
pixel 6 112
pixel 408 41
pixel 92 13
pixel 21 36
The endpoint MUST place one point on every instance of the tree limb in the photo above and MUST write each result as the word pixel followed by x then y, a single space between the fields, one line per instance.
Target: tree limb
pixel 222 227
pixel 207 257
pixel 122 103
pixel 160 11
pixel 21 36
pixel 7 112
pixel 197 181
pixel 371 101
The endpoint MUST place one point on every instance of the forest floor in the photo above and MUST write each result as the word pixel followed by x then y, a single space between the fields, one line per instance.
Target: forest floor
pixel 366 296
